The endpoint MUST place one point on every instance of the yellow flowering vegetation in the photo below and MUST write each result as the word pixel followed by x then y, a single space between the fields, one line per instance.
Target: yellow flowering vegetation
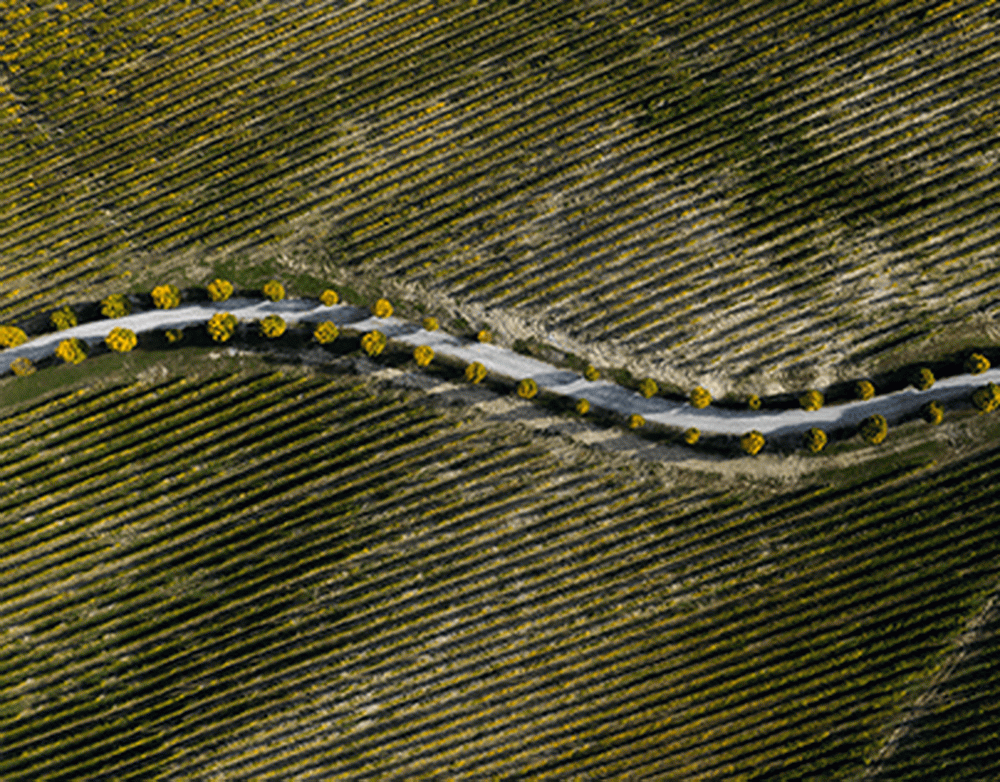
pixel 864 390
pixel 423 355
pixel 976 364
pixel 12 336
pixel 484 336
pixel 582 406
pixel 221 326
pixel 753 402
pixel 924 379
pixel 752 442
pixel 475 372
pixel 636 421
pixel 219 289
pixel 811 400
pixel 326 332
pixel 591 372
pixel 166 297
pixel 22 367
pixel 648 387
pixel 987 398
pixel 173 335
pixel 933 413
pixel 121 340
pixel 329 297
pixel 373 343
pixel 382 309
pixel 691 435
pixel 72 351
pixel 115 306
pixel 700 397
pixel 430 324
pixel 527 388
pixel 874 429
pixel 63 319
pixel 273 326
pixel 814 439
pixel 273 290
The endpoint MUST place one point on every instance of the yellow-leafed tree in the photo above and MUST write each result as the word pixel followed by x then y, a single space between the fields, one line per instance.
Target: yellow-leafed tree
pixel 864 390
pixel 636 421
pixel 326 332
pixel 582 406
pixel 221 326
pixel 430 324
pixel 115 306
pixel 121 340
pixel 219 289
pixel 423 355
pixel 977 363
pixel 691 435
pixel 373 343
pixel 72 351
pixel 272 326
pixel 527 388
pixel 648 387
pixel 933 413
pixel 382 308
pixel 329 297
pixel 874 429
pixel 753 402
pixel 475 372
pixel 591 372
pixel 987 398
pixel 166 297
pixel 752 442
pixel 811 400
pixel 700 397
pixel 924 379
pixel 814 439
pixel 273 290
pixel 174 335
pixel 22 366
pixel 12 336
pixel 63 319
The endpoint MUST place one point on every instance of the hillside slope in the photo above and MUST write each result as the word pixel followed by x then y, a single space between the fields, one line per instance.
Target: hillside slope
pixel 689 189
pixel 243 574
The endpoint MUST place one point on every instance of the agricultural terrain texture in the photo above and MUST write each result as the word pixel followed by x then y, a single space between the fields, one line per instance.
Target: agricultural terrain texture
pixel 213 569
pixel 742 194
pixel 282 560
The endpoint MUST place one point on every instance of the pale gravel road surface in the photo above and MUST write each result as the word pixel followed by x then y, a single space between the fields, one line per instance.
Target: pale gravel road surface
pixel 515 366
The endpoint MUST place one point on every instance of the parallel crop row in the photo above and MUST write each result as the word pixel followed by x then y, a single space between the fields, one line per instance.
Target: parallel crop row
pixel 956 736
pixel 679 178
pixel 334 585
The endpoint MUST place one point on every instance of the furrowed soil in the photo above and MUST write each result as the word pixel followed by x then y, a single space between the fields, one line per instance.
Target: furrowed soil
pixel 756 197
pixel 231 568
pixel 288 562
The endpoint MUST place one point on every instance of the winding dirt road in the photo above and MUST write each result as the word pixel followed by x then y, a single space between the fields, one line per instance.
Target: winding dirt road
pixel 515 366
